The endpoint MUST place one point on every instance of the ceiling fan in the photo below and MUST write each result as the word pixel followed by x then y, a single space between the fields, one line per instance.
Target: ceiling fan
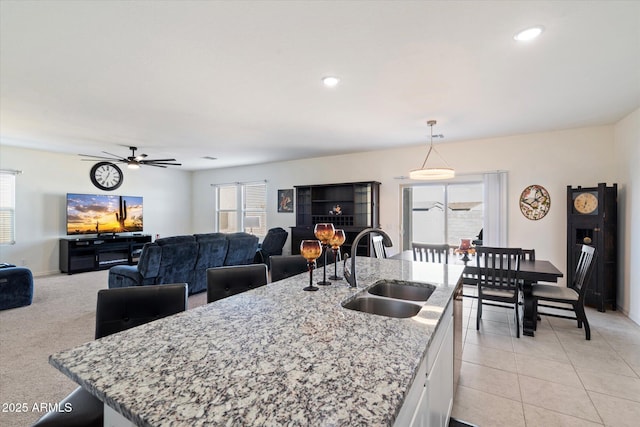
pixel 133 161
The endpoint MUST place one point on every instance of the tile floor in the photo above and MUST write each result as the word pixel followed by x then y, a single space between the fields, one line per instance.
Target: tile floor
pixel 556 378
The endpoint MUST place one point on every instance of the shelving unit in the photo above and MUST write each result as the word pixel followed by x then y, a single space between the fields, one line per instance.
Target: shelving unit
pixel 316 204
pixel 99 253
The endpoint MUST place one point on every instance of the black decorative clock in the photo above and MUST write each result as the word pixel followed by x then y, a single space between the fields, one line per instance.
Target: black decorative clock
pixel 535 202
pixel 592 219
pixel 106 176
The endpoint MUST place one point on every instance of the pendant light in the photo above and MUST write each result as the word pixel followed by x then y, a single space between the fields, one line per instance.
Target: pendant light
pixel 432 173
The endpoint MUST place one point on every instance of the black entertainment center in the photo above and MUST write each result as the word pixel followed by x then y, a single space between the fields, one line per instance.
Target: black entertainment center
pixel 98 253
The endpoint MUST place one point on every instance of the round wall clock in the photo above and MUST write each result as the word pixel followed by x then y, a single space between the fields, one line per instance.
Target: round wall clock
pixel 535 202
pixel 586 203
pixel 106 176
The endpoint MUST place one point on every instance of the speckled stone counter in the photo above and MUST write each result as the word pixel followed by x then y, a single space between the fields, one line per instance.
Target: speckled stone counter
pixel 273 356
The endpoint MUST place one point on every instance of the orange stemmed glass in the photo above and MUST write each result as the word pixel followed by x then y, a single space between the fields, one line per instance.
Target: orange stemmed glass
pixel 310 250
pixel 324 232
pixel 335 242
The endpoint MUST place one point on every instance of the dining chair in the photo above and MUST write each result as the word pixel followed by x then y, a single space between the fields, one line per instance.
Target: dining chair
pixel 430 252
pixel 528 254
pixel 223 282
pixel 498 279
pixel 571 295
pixel 283 266
pixel 378 247
pixel 117 309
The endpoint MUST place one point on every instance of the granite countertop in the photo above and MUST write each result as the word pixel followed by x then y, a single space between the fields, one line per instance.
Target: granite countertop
pixel 276 355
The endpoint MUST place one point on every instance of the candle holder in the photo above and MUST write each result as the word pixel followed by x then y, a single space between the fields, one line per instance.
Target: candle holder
pixel 310 250
pixel 336 241
pixel 324 232
pixel 465 249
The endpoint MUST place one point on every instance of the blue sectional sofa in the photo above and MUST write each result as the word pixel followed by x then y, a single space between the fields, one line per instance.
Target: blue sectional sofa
pixel 185 259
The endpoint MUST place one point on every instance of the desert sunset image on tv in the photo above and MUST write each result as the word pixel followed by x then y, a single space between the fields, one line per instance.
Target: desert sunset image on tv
pixel 96 213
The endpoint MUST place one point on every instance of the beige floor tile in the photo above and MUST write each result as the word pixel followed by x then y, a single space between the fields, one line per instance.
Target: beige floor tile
pixel 484 339
pixel 491 327
pixel 493 315
pixel 540 417
pixel 490 357
pixel 598 359
pixel 616 412
pixel 558 397
pixel 624 336
pixel 549 370
pixel 545 349
pixel 630 354
pixel 490 380
pixel 485 409
pixel 611 384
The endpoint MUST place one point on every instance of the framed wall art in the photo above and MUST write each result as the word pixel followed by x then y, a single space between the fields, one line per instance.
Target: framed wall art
pixel 285 200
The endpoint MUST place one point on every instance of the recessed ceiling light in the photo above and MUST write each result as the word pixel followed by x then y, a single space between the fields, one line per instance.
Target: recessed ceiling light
pixel 330 81
pixel 529 33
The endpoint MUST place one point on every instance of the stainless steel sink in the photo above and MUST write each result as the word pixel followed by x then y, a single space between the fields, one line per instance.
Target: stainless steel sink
pixel 402 290
pixel 383 307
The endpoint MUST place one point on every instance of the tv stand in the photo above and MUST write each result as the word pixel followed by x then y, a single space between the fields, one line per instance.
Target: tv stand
pixel 99 253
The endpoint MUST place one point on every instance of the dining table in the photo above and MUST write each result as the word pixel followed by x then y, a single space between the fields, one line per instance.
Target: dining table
pixel 531 271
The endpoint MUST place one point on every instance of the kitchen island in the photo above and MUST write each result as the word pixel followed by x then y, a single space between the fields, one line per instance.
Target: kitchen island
pixel 276 355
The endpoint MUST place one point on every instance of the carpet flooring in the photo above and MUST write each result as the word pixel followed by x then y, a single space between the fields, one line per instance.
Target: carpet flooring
pixel 62 316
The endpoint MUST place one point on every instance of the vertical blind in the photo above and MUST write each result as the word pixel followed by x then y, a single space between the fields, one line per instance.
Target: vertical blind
pixel 7 207
pixel 495 205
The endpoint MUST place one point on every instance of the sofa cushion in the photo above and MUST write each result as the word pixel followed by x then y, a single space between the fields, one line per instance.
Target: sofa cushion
pixel 242 248
pixel 207 237
pixel 178 262
pixel 149 262
pixel 175 240
pixel 211 252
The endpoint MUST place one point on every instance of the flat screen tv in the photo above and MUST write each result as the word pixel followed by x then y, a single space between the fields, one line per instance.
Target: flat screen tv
pixel 103 214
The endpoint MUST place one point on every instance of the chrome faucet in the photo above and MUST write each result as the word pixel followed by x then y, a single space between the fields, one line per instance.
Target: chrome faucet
pixel 350 276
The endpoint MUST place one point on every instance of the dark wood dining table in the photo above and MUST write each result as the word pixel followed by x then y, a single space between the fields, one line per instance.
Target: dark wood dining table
pixel 530 273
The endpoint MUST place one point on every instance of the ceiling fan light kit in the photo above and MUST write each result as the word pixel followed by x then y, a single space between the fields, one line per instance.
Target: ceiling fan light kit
pixel 426 173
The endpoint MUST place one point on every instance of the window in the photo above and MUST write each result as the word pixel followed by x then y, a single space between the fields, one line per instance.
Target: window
pixel 443 213
pixel 450 211
pixel 7 207
pixel 242 207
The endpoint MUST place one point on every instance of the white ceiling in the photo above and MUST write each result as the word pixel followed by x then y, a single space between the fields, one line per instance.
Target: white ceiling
pixel 241 81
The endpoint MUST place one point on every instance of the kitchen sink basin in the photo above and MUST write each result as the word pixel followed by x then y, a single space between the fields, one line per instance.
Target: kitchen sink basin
pixel 383 307
pixel 402 290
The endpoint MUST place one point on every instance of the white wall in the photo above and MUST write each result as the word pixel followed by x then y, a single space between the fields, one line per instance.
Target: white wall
pixel 41 202
pixel 627 143
pixel 555 159
pixel 179 202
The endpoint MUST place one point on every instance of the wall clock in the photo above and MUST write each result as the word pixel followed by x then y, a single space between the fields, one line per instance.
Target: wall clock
pixel 106 176
pixel 535 202
pixel 586 203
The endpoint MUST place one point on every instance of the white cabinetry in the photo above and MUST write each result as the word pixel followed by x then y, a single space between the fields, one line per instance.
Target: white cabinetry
pixel 430 398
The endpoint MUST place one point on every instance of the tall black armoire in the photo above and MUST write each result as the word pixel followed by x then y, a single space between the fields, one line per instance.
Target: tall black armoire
pixel 352 206
pixel 592 219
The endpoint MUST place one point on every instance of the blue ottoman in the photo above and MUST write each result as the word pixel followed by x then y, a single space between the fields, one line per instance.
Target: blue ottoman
pixel 16 287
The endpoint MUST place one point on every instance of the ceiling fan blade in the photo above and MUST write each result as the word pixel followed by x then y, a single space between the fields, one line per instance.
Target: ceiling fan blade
pixel 152 164
pixel 159 160
pixel 114 155
pixel 161 163
pixel 99 157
